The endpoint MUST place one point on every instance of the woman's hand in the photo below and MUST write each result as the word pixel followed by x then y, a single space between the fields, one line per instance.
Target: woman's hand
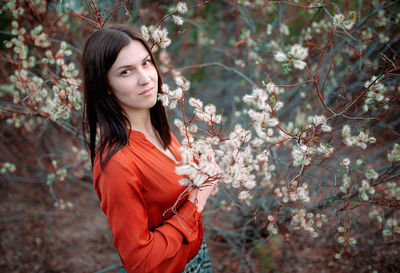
pixel 200 195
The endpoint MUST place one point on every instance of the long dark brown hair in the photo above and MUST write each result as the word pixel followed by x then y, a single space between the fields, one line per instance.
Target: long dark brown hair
pixel 102 110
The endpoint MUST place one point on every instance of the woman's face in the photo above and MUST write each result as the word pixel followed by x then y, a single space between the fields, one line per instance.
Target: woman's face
pixel 133 78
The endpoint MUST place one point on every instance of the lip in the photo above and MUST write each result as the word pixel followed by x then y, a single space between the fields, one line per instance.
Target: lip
pixel 146 92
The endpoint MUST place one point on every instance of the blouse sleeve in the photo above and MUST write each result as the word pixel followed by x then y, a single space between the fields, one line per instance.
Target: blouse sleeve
pixel 141 249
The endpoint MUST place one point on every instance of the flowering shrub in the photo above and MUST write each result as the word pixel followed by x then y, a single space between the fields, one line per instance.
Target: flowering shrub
pixel 291 108
pixel 42 93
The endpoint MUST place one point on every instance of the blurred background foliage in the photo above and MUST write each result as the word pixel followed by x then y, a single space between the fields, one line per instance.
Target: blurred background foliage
pixel 225 48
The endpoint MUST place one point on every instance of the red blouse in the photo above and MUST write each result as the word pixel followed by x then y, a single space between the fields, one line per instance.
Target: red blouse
pixel 136 189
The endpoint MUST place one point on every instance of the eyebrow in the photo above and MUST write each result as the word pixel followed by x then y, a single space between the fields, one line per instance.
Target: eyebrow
pixel 127 66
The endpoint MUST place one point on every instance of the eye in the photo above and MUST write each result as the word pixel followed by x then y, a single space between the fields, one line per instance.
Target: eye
pixel 125 72
pixel 147 62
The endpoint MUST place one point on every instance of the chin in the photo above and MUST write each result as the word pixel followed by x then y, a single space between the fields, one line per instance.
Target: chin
pixel 153 104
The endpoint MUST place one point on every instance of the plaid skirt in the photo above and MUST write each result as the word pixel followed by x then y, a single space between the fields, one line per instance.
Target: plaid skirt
pixel 199 264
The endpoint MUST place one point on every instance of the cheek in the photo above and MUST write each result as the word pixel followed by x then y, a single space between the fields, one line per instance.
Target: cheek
pixel 112 84
pixel 121 87
pixel 155 77
pixel 154 74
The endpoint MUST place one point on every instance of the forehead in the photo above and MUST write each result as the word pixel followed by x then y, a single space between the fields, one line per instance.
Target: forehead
pixel 131 54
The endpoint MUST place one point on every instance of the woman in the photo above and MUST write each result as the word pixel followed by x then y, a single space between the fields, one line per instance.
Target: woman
pixel 135 157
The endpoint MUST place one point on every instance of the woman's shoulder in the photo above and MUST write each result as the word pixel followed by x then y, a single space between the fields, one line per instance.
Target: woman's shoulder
pixel 121 160
pixel 118 175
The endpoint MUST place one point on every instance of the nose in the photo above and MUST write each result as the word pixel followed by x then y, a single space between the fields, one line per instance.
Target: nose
pixel 143 77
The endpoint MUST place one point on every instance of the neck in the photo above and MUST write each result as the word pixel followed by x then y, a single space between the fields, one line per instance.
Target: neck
pixel 141 121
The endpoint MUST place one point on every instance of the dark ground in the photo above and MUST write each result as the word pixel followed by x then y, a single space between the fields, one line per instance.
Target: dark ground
pixel 37 237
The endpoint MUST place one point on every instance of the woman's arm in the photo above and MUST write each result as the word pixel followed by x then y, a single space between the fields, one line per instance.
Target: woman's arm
pixel 122 201
pixel 199 196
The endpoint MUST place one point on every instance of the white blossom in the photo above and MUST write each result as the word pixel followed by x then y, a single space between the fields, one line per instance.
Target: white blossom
pixel 284 29
pixel 270 87
pixel 340 21
pixel 183 83
pixel 346 162
pixel 164 99
pixel 179 124
pixel 279 56
pixel 196 103
pixel 371 174
pixel 210 109
pixel 326 128
pixel 299 64
pixel 298 52
pixel 250 184
pixel 160 36
pixel 177 20
pixel 8 167
pixel 184 182
pixel 361 140
pixel 346 183
pixel 317 120
pixel 182 7
pixel 145 32
pixel 243 195
pixel 394 155
pixel 346 130
pixel 365 189
pixel 278 106
pixel 165 88
pixel 300 155
pixel 303 193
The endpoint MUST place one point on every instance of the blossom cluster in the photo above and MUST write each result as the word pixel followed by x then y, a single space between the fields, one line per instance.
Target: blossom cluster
pixel 344 237
pixel 29 123
pixel 340 21
pixel 235 157
pixel 203 169
pixel 205 113
pixel 361 140
pixel 394 155
pixel 62 204
pixel 207 159
pixel 286 129
pixel 50 97
pixel 393 190
pixel 265 118
pixel 7 167
pixel 169 98
pixel 181 8
pixel 321 120
pixel 295 56
pixel 294 193
pixel 375 93
pixel 391 226
pixel 317 27
pixel 271 227
pixel 308 221
pixel 375 213
pixel 210 158
pixel 346 184
pixel 366 189
pixel 301 155
pixel 157 35
pixel 60 173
